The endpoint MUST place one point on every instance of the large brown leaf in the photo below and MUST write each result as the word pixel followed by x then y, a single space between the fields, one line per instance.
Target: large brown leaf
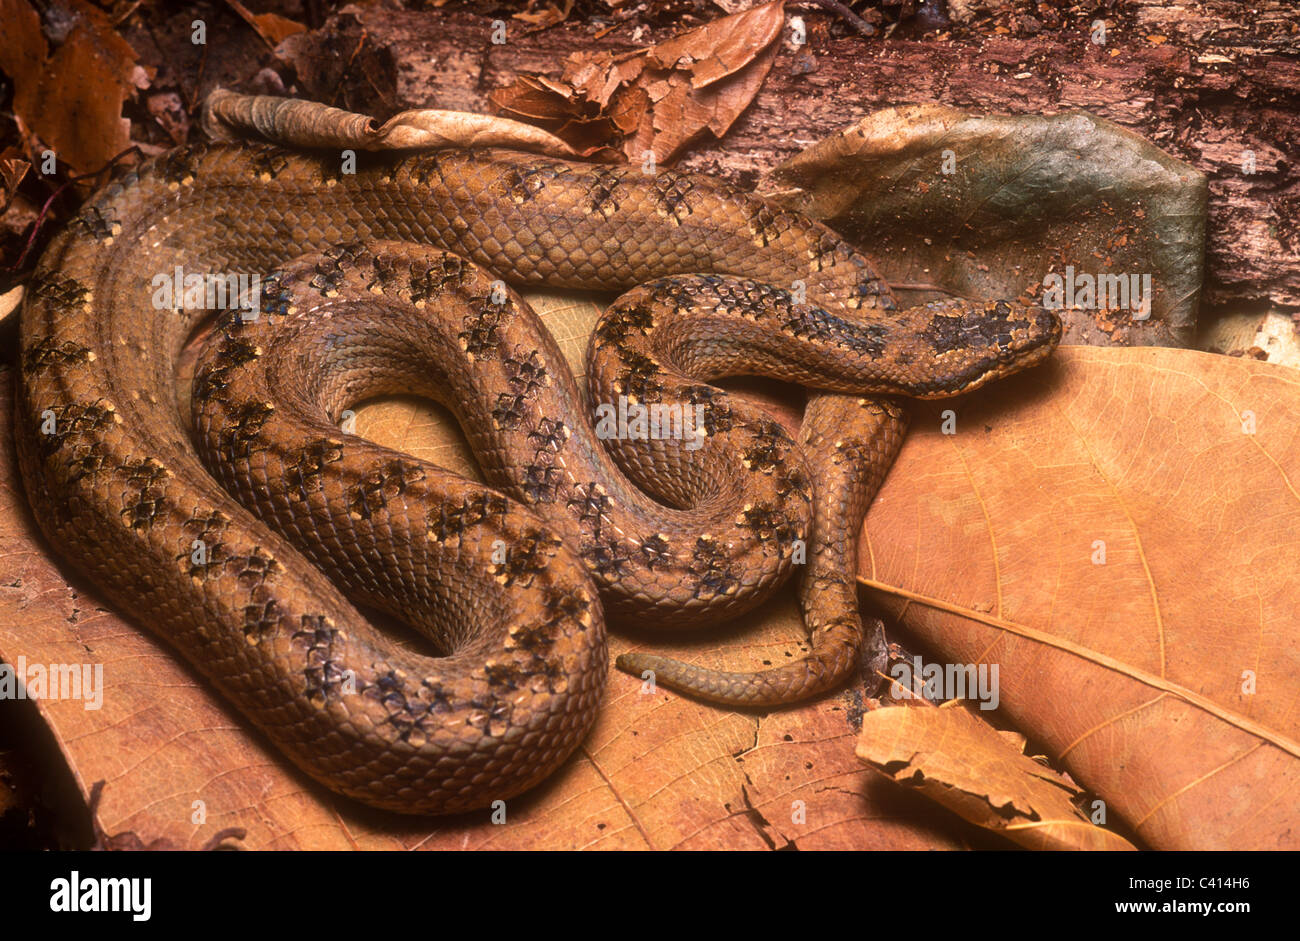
pixel 1117 531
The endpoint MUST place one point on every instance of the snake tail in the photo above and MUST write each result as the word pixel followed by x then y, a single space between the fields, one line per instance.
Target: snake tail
pixel 850 443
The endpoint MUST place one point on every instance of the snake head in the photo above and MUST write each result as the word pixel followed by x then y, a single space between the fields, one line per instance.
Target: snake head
pixel 951 347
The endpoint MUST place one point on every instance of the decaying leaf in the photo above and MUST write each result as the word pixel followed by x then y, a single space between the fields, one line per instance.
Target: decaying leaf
pixel 1017 206
pixel 656 99
pixel 1116 530
pixel 963 763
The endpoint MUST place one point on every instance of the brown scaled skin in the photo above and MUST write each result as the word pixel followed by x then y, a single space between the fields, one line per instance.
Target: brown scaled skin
pixel 120 493
pixel 850 445
pixel 930 352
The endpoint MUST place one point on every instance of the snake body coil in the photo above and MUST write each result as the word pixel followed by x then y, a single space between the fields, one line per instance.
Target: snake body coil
pixel 371 285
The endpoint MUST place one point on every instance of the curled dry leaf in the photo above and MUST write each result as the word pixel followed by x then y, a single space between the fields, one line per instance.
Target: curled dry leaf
pixel 992 206
pixel 656 99
pixel 296 123
pixel 1117 531
pixel 959 761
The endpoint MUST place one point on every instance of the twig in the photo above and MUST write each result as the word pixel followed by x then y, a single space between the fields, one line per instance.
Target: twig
pixel 843 12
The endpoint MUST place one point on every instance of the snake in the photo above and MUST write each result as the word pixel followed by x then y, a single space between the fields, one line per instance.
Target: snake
pixel 269 546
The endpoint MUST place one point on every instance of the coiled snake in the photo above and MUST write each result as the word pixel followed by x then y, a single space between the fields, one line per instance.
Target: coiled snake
pixel 370 284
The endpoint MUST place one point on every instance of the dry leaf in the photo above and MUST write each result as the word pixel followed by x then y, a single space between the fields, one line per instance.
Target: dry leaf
pixel 722 47
pixel 656 99
pixel 23 50
pixel 537 98
pixel 989 206
pixel 964 764
pixel 548 16
pixel 271 27
pixel 13 167
pixel 1117 531
pixel 71 101
pixel 550 105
